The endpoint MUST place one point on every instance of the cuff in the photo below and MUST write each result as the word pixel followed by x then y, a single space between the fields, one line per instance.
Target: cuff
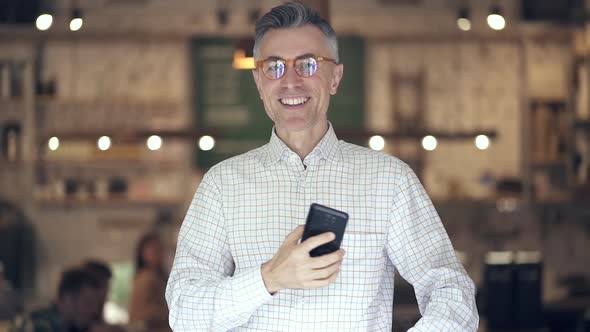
pixel 252 292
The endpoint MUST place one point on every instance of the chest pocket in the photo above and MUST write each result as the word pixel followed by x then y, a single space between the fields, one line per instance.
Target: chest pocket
pixel 364 259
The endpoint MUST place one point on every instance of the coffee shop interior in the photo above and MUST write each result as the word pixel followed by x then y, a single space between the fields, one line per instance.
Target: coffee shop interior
pixel 111 111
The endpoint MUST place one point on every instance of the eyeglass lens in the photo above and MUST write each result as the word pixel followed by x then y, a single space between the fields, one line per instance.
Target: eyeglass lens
pixel 304 67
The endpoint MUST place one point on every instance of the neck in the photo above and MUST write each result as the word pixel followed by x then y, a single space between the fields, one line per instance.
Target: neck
pixel 303 142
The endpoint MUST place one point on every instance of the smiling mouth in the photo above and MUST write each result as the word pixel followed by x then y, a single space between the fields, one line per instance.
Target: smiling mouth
pixel 294 101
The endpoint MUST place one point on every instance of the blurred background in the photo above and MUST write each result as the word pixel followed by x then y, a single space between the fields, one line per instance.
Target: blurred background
pixel 112 110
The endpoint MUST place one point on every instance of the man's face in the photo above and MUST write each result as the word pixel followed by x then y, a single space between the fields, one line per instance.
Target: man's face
pixel 82 308
pixel 279 95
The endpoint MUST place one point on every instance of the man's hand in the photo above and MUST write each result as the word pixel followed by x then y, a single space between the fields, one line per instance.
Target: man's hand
pixel 293 267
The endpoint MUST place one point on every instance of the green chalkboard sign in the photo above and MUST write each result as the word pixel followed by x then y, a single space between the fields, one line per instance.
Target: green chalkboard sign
pixel 227 104
pixel 226 101
pixel 347 107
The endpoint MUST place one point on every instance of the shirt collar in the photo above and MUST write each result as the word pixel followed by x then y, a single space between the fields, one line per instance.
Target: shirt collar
pixel 327 148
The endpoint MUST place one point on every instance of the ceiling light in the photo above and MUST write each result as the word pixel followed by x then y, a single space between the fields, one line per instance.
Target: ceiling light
pixel 104 143
pixel 44 22
pixel 206 143
pixel 377 143
pixel 495 20
pixel 429 143
pixel 76 20
pixel 482 142
pixel 53 143
pixel 154 142
pixel 463 21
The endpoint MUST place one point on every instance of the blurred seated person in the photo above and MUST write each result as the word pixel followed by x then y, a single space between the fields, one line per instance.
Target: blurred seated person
pixel 75 309
pixel 104 274
pixel 148 307
pixel 10 303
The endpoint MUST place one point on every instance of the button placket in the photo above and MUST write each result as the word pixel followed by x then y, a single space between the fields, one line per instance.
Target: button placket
pixel 302 176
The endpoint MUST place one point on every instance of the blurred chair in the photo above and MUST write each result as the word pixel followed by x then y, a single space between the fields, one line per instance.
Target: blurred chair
pixel 528 271
pixel 499 287
pixel 405 306
pixel 512 283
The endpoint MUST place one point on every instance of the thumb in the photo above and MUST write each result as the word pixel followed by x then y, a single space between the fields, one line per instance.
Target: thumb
pixel 295 235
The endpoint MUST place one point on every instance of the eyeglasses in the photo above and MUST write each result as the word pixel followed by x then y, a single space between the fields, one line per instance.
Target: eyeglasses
pixel 305 66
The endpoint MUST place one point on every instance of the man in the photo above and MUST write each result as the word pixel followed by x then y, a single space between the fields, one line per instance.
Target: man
pixel 239 263
pixel 75 309
pixel 103 273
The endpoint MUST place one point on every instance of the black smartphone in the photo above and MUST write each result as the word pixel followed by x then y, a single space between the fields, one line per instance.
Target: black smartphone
pixel 322 219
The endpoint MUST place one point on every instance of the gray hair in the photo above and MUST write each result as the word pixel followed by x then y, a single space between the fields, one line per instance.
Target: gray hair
pixel 294 15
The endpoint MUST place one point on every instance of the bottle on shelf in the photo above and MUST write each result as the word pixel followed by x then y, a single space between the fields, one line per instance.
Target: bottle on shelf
pixel 11 142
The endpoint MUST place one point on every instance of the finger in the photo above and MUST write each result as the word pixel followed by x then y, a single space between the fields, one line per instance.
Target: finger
pixel 326 260
pixel 316 241
pixel 295 235
pixel 322 282
pixel 326 272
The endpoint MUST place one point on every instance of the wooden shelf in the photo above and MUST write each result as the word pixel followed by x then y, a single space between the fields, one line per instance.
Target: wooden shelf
pixel 13 109
pixel 128 135
pixel 17 165
pixel 123 119
pixel 112 164
pixel 134 134
pixel 107 203
pixel 559 211
pixel 548 163
pixel 111 102
pixel 419 134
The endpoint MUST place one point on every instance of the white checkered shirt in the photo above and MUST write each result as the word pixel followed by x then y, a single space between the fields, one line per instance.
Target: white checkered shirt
pixel 245 207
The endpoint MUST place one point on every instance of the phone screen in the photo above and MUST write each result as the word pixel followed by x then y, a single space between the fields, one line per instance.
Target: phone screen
pixel 322 219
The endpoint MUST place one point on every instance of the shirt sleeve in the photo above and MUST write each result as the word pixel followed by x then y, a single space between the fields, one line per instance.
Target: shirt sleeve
pixel 202 292
pixel 420 249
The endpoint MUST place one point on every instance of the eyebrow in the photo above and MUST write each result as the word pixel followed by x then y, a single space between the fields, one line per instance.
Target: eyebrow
pixel 274 57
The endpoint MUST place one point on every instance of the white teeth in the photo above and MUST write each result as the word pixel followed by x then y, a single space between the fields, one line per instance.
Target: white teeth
pixel 294 101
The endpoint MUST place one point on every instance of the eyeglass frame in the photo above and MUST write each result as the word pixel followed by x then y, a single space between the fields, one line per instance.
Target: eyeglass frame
pixel 318 59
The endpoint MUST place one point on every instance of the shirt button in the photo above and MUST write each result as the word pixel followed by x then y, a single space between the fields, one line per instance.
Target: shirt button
pixel 301 181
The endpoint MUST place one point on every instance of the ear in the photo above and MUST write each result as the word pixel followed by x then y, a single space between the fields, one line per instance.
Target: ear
pixel 256 76
pixel 336 77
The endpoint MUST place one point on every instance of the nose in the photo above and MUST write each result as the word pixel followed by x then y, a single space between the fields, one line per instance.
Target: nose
pixel 291 78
